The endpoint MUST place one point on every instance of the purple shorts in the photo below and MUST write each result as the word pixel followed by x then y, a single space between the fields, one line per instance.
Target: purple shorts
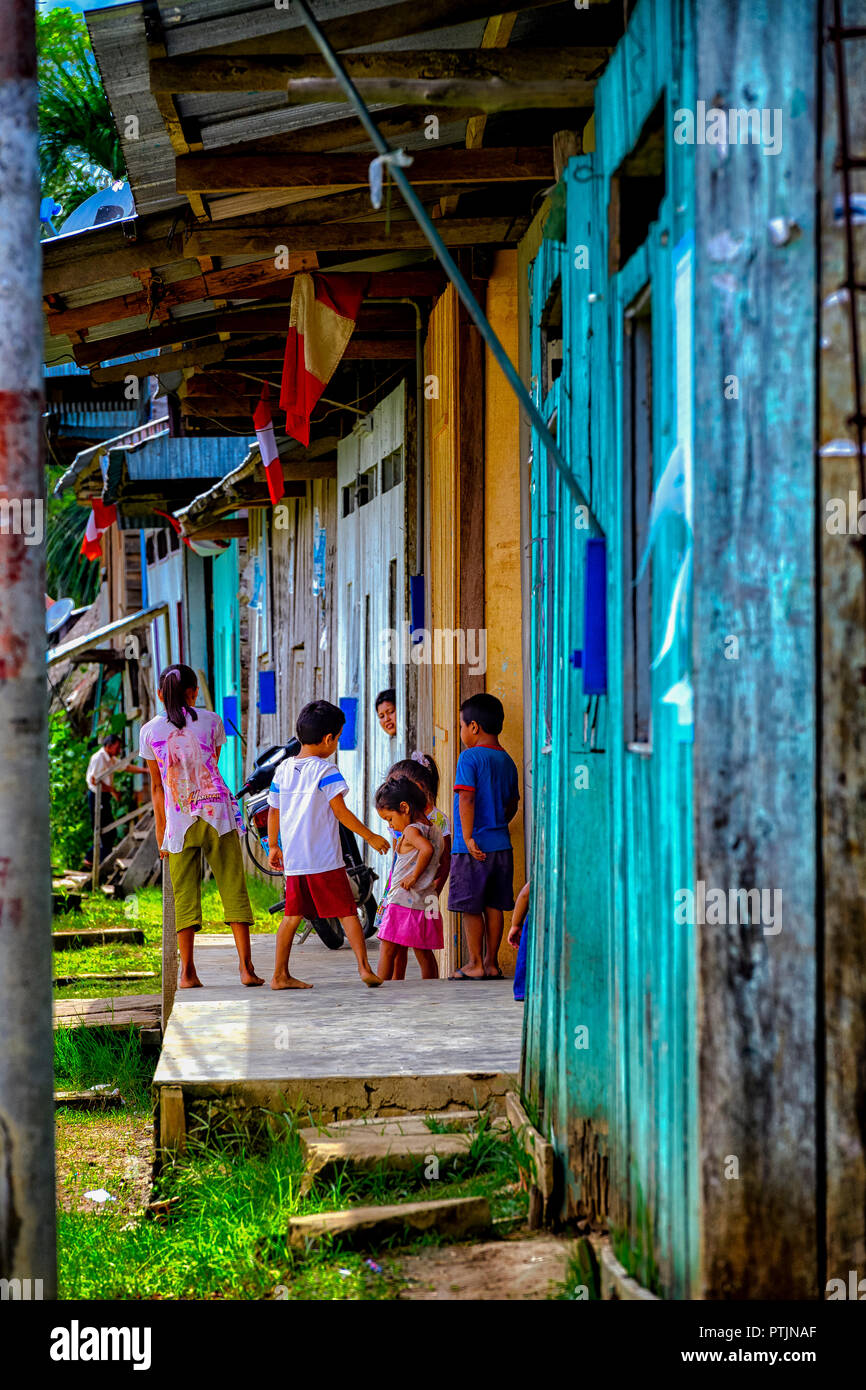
pixel 478 883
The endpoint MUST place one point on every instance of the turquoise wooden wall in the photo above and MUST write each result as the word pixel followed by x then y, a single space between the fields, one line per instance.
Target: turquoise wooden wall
pixel 608 857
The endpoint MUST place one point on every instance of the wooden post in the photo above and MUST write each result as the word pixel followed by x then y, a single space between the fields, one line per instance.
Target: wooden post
pixel 172 1120
pixel 169 946
pixel 27 1243
pixel 97 835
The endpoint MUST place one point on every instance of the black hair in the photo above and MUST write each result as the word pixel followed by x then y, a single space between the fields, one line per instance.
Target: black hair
pixel 397 790
pixel 174 682
pixel 112 738
pixel 485 711
pixel 317 719
pixel 419 768
pixel 386 695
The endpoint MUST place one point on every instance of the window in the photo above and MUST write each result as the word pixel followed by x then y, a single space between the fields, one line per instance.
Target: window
pixel 637 495
pixel 551 338
pixel 392 469
pixel 149 554
pixel 636 191
pixel 161 545
pixel 366 489
pixel 173 540
pixel 348 499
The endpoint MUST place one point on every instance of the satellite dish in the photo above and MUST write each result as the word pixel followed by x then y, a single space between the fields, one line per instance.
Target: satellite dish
pixel 58 614
pixel 109 205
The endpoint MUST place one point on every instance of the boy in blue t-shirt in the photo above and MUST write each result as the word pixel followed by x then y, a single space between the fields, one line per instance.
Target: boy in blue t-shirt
pixel 486 798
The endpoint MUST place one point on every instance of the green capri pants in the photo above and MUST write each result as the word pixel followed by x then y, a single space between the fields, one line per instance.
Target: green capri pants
pixel 223 853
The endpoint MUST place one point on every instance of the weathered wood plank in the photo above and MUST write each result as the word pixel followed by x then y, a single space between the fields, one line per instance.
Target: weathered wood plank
pixel 228 173
pixel 481 96
pixel 97 936
pixel 137 1010
pixel 356 236
pixel 369 25
pixel 755 730
pixel 211 73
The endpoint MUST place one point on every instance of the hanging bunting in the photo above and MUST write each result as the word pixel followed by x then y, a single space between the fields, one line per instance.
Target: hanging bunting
pixel 264 424
pixel 100 519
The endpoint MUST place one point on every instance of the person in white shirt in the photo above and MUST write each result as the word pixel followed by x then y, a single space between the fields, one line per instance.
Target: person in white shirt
pixel 306 812
pixel 100 779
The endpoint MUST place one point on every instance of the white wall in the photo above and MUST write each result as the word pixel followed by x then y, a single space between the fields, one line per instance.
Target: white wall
pixel 369 540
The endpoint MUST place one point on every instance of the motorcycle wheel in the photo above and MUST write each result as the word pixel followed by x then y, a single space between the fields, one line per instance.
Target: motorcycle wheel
pixel 329 931
pixel 367 913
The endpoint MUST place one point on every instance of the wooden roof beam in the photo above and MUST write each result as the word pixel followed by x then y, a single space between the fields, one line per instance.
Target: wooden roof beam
pixel 455 66
pixel 371 25
pixel 355 236
pixel 208 173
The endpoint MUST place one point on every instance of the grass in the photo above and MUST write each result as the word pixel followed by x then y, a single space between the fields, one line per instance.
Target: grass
pixel 85 1057
pixel 142 910
pixel 226 1235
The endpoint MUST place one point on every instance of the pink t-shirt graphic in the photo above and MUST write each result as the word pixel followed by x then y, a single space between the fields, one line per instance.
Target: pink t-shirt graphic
pixel 191 779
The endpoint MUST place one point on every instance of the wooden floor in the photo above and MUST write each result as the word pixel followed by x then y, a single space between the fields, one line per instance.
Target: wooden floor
pixel 339 1049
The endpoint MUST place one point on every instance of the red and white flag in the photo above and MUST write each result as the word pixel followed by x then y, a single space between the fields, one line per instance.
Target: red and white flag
pixel 324 310
pixel 263 421
pixel 101 517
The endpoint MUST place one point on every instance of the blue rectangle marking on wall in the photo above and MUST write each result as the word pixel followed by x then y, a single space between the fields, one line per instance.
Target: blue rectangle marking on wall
pixel 595 619
pixel 416 605
pixel 267 692
pixel 349 736
pixel 231 715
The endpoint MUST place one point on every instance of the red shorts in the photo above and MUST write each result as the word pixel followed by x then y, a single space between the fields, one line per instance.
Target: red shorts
pixel 320 895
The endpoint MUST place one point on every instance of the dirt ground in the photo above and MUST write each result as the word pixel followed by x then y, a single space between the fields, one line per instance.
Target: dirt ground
pixel 531 1268
pixel 109 1151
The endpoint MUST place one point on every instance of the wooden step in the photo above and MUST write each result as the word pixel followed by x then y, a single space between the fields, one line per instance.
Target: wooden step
pixel 97 936
pixel 398 1143
pixel 454 1217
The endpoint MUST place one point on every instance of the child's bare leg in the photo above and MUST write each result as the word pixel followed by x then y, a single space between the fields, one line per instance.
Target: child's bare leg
pixel 285 936
pixel 427 963
pixel 473 926
pixel 401 959
pixel 352 927
pixel 185 945
pixel 387 959
pixel 493 928
pixel 241 934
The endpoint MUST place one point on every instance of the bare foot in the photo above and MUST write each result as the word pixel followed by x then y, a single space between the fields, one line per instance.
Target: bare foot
pixel 369 979
pixel 190 981
pixel 288 982
pixel 249 976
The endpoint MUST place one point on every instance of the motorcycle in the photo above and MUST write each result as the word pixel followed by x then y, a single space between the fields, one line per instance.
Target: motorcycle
pixel 253 795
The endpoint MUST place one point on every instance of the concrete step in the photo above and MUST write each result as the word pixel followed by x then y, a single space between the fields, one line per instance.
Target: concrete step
pixel 397 1143
pixel 453 1217
pixel 403 1124
pixel 96 936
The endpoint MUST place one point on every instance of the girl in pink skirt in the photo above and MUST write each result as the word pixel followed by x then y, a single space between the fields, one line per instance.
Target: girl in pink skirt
pixel 411 916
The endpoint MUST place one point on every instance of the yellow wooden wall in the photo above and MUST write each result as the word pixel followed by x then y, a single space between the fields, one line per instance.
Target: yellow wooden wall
pixel 443 532
pixel 502 589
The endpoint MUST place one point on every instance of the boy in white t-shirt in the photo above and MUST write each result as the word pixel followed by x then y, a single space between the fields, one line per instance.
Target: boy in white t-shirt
pixel 306 811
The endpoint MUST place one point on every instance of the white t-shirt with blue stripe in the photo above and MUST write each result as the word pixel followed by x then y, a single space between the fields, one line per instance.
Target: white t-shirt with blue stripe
pixel 302 791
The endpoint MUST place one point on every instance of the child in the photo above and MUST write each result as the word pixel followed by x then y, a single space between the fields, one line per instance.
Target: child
pixel 194 810
pixel 306 811
pixel 482 865
pixel 411 916
pixel 518 936
pixel 421 768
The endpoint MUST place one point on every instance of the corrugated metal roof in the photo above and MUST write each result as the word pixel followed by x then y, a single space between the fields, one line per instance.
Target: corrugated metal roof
pixel 120 46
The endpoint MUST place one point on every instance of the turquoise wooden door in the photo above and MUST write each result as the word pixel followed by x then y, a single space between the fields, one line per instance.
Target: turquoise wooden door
pixel 227 660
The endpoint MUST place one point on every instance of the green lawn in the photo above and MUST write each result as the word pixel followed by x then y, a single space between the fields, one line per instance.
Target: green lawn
pixel 143 910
